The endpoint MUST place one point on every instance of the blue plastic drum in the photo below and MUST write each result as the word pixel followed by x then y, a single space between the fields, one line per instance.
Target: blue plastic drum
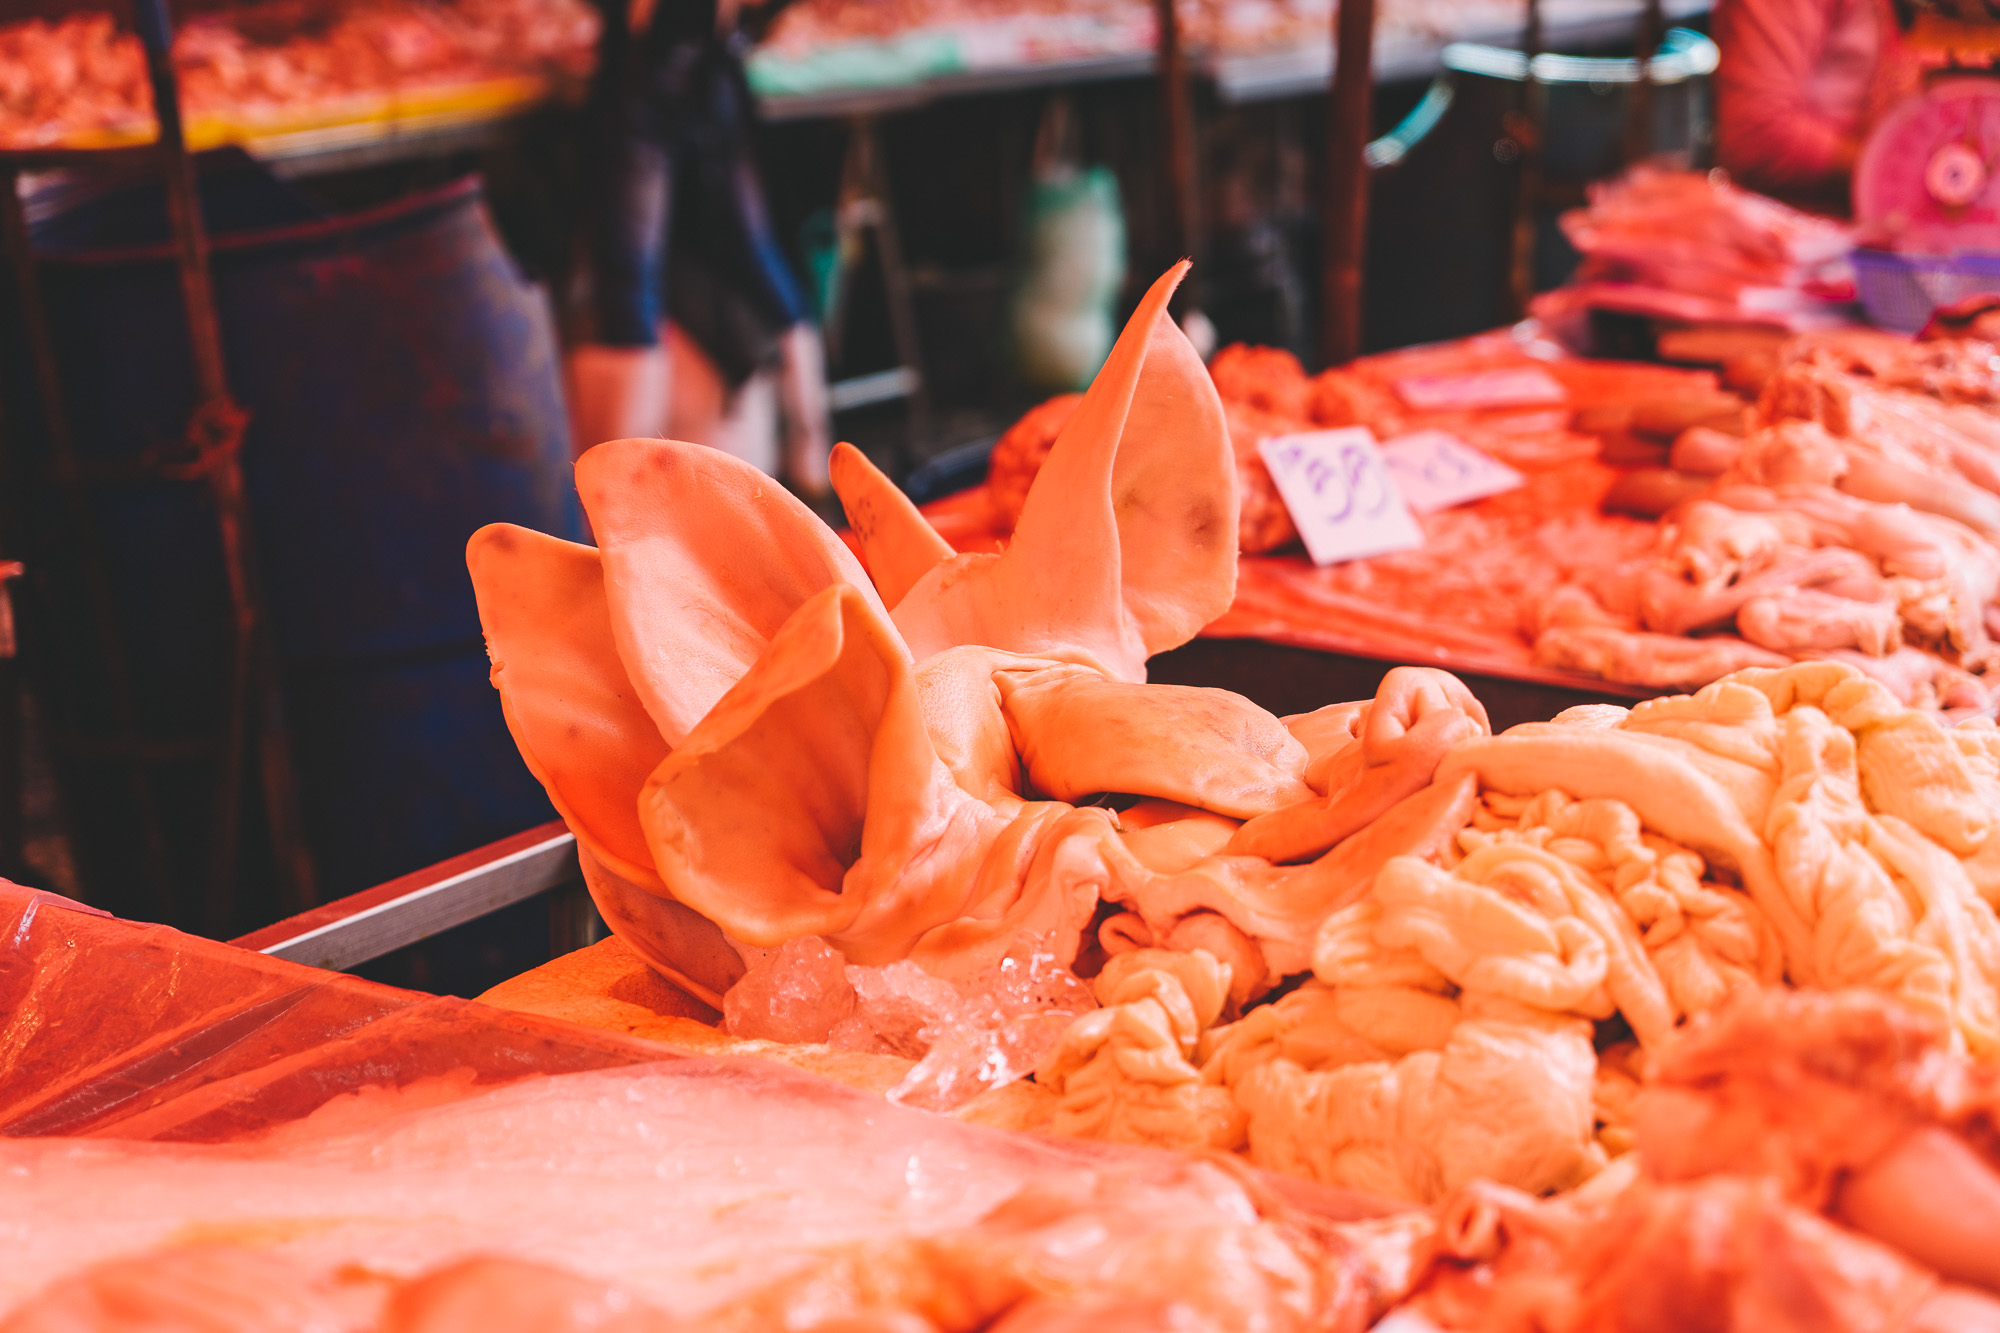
pixel 402 381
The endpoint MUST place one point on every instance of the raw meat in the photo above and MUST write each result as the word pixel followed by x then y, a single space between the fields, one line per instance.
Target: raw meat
pixel 1399 738
pixel 258 1144
pixel 1689 247
pixel 1756 1119
pixel 1079 735
pixel 1473 940
pixel 769 1176
pixel 278 66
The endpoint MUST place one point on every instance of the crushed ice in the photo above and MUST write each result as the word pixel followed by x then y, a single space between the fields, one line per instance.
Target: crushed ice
pixel 966 1037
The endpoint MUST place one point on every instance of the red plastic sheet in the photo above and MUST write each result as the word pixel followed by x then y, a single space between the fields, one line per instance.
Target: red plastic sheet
pixel 124 1030
pixel 689 1183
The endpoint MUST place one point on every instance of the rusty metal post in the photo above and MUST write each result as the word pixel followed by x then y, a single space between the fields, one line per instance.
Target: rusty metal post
pixel 1639 111
pixel 13 839
pixel 864 204
pixel 1527 127
pixel 1177 116
pixel 215 437
pixel 1344 220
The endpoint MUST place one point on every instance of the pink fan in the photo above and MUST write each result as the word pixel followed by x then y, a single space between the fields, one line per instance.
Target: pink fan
pixel 1929 176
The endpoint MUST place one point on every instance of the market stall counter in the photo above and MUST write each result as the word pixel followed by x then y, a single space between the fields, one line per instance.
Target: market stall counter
pixel 1365 1010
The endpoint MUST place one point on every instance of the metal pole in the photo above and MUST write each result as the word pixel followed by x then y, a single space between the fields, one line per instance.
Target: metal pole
pixel 216 434
pixel 13 841
pixel 1527 130
pixel 1345 215
pixel 1177 114
pixel 1639 113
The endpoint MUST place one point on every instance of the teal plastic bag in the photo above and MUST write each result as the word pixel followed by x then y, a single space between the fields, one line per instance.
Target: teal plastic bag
pixel 819 248
pixel 1072 272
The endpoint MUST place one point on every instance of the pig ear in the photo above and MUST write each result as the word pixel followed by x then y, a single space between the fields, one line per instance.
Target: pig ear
pixel 898 543
pixel 1172 483
pixel 571 708
pixel 704 558
pixel 1127 544
pixel 756 819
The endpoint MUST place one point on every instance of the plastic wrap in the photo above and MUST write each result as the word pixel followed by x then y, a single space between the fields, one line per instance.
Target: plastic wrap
pixel 123 1030
pixel 688 1183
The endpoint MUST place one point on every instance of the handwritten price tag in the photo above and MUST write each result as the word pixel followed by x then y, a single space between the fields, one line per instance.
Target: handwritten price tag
pixel 1340 494
pixel 1519 386
pixel 1435 471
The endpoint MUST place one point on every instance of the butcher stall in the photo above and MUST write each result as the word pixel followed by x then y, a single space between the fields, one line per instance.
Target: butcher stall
pixel 966 975
pixel 1498 834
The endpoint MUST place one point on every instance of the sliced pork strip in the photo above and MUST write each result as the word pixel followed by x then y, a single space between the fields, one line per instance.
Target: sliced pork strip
pixel 1419 715
pixel 1804 620
pixel 1079 733
pixel 1934 1199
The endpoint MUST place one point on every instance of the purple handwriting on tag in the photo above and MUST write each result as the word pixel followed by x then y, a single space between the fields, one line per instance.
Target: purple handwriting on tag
pixel 1435 470
pixel 1340 494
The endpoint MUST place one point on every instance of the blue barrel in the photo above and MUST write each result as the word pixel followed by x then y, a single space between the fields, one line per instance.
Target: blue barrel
pixel 401 376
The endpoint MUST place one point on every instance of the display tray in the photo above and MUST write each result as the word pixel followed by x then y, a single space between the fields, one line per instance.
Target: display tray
pixel 328 136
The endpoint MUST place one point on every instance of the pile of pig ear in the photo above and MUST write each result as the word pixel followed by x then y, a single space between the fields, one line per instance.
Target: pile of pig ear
pixel 607 659
pixel 1126 545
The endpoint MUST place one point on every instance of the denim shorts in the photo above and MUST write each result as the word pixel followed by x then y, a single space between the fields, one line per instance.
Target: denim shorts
pixel 671 177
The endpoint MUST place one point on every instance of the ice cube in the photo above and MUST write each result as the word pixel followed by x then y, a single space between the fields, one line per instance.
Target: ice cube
pixel 969 1060
pixel 798 992
pixel 899 1000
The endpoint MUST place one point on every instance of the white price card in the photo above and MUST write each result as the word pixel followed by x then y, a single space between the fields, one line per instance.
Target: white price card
pixel 1435 470
pixel 1470 391
pixel 1340 494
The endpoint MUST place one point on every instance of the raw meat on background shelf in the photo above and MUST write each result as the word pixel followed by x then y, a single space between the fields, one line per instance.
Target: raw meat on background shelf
pixel 1855 519
pixel 1026 30
pixel 276 64
pixel 1690 247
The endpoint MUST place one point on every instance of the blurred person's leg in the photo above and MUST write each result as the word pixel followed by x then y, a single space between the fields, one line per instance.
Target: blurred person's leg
pixel 808 418
pixel 742 420
pixel 768 281
pixel 619 382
